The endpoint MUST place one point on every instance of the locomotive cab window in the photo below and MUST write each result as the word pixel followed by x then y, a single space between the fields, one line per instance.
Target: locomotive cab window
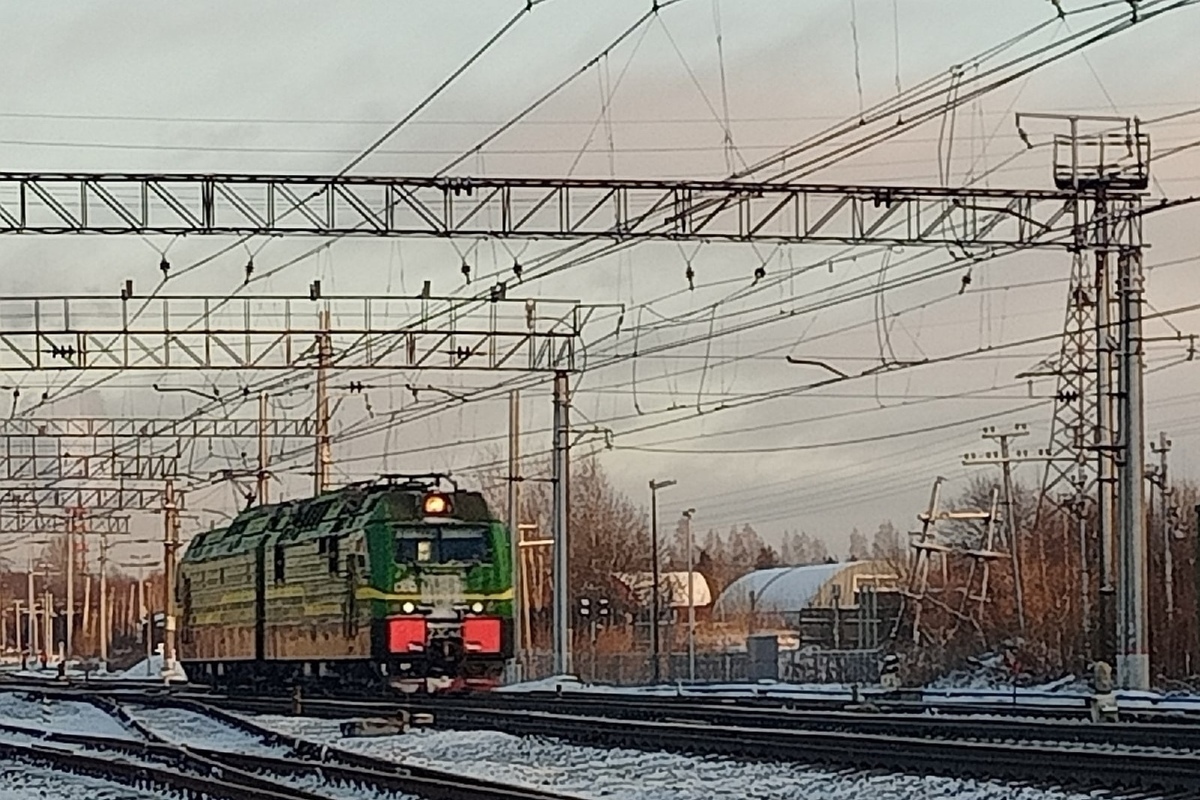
pixel 443 544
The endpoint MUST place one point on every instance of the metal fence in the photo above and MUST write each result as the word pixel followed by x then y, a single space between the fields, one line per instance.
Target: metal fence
pixel 830 666
pixel 634 669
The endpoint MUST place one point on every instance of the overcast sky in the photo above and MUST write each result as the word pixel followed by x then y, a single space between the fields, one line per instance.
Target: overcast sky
pixel 302 87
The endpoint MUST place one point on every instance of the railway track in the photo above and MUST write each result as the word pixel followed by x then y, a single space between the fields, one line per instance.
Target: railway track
pixel 1162 732
pixel 151 762
pixel 1159 759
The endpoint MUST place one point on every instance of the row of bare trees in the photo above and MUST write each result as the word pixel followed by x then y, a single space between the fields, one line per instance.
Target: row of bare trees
pixel 1059 631
pixel 127 603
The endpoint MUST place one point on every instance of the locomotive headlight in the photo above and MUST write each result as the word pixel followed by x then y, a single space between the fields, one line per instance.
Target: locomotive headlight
pixel 436 505
pixel 477 607
pixel 408 607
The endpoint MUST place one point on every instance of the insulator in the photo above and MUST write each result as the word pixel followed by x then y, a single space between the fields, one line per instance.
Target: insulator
pixel 165 266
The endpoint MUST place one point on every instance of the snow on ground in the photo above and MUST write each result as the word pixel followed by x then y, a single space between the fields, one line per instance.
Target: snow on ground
pixel 21 782
pixel 152 669
pixel 635 775
pixel 55 715
pixel 181 726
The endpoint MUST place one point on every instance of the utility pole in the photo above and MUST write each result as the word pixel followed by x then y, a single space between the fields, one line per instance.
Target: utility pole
pixel 143 610
pixel 170 548
pixel 687 525
pixel 262 493
pixel 1009 523
pixel 514 521
pixel 47 621
pixel 1160 479
pixel 561 517
pixel 17 625
pixel 31 601
pixel 1133 665
pixel 323 455
pixel 69 635
pixel 655 578
pixel 104 620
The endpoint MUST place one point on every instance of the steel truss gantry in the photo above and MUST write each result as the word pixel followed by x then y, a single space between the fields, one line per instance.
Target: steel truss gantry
pixel 111 429
pixel 34 466
pixel 274 333
pixel 34 521
pixel 543 208
pixel 1082 213
pixel 93 498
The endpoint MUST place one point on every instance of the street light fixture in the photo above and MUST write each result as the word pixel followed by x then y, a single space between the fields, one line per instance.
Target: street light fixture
pixel 687 516
pixel 654 573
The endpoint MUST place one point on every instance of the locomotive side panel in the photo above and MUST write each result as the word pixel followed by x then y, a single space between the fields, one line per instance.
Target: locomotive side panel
pixel 311 611
pixel 217 609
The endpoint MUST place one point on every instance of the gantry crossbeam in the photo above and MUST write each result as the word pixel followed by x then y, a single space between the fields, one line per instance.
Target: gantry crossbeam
pixel 188 333
pixel 28 467
pixel 147 428
pixel 38 522
pixel 548 208
pixel 93 498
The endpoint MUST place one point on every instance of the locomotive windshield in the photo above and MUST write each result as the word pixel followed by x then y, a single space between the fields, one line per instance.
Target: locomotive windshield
pixel 443 544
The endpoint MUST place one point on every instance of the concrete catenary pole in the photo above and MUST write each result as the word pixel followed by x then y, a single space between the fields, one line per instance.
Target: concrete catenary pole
pixel 1133 663
pixel 69 632
pixel 170 549
pixel 104 625
pixel 1106 466
pixel 561 516
pixel 691 596
pixel 514 522
pixel 655 580
pixel 1162 481
pixel 323 456
pixel 262 482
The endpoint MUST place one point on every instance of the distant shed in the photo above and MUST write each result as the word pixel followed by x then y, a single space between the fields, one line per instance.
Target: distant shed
pixel 789 589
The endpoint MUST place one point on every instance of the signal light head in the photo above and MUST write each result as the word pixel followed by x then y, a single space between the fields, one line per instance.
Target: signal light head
pixel 436 505
pixel 477 607
pixel 408 607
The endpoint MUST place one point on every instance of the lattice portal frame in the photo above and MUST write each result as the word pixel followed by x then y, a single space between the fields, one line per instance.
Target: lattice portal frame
pixel 108 428
pixel 93 498
pixel 36 522
pixel 100 333
pixel 548 208
pixel 31 467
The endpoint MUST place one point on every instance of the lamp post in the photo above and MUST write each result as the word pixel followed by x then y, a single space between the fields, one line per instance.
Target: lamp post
pixel 654 576
pixel 687 521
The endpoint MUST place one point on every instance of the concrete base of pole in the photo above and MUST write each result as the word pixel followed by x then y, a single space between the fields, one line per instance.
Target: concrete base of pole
pixel 1133 671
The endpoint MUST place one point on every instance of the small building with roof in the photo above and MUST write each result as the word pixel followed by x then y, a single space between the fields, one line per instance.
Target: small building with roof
pixel 835 605
pixel 672 588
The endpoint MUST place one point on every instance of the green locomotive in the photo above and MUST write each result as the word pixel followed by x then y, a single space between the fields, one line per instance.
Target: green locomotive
pixel 398 582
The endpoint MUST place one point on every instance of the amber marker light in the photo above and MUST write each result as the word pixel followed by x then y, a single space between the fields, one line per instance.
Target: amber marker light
pixel 436 505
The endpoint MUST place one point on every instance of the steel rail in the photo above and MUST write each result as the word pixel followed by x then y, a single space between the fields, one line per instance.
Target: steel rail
pixel 141 773
pixel 325 762
pixel 866 717
pixel 1034 764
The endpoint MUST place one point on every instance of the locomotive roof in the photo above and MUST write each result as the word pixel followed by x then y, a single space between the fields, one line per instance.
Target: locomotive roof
pixel 346 509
